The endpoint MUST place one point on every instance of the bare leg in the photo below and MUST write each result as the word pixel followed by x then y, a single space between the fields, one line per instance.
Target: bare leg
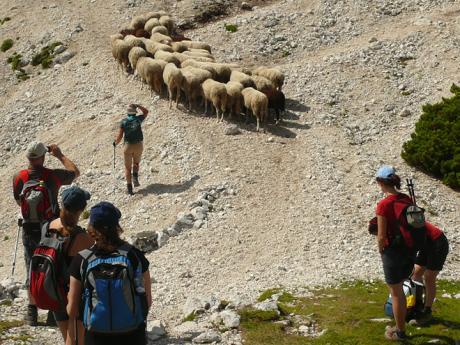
pixel 63 327
pixel 430 286
pixel 399 305
pixel 128 167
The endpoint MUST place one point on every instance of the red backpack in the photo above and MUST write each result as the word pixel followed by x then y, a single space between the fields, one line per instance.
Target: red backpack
pixel 48 276
pixel 37 205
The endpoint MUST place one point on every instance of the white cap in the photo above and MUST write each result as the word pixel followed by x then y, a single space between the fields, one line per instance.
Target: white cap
pixel 35 150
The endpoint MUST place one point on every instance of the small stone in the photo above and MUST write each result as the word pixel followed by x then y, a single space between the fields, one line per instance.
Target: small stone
pixel 63 58
pixel 207 337
pixel 246 6
pixel 162 238
pixel 156 330
pixel 405 113
pixel 59 49
pixel 457 296
pixel 232 130
pixel 446 295
pixel 267 306
pixel 230 319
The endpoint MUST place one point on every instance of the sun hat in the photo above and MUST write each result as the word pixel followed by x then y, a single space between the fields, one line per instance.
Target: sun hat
pixel 104 214
pixel 385 172
pixel 131 110
pixel 74 198
pixel 35 150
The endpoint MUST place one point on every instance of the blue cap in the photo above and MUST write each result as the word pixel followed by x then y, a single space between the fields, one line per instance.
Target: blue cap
pixel 74 198
pixel 104 214
pixel 385 171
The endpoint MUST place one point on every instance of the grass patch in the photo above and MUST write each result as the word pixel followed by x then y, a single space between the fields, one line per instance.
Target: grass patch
pixel 85 214
pixel 6 44
pixel 406 93
pixel 4 20
pixel 346 314
pixel 267 294
pixel 6 302
pixel 15 61
pixel 231 27
pixel 46 55
pixel 6 325
pixel 255 315
pixel 190 317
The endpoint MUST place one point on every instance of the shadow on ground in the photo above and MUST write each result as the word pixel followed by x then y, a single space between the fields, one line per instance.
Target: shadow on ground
pixel 160 188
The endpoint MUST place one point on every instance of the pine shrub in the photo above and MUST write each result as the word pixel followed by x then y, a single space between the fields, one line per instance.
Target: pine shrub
pixel 435 145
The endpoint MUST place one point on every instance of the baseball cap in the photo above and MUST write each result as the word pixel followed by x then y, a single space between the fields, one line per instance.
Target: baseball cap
pixel 131 109
pixel 385 171
pixel 74 198
pixel 104 214
pixel 35 150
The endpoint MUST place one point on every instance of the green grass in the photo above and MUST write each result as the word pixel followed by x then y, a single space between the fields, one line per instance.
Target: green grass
pixel 6 302
pixel 6 325
pixel 345 313
pixel 190 317
pixel 46 55
pixel 231 27
pixel 85 214
pixel 15 61
pixel 4 20
pixel 6 44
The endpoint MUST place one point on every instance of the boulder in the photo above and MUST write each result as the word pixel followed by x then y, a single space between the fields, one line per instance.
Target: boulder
pixel 207 337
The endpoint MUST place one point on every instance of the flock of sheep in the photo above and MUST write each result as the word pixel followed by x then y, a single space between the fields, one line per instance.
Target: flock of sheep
pixel 151 50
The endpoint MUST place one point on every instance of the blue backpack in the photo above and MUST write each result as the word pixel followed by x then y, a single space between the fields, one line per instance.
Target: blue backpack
pixel 113 292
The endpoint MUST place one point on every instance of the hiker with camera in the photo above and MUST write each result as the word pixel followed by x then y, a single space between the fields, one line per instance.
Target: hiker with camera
pixel 395 246
pixel 131 131
pixel 35 190
pixel 428 263
pixel 110 286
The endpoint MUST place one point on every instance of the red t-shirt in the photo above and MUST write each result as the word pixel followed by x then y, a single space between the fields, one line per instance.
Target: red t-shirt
pixel 385 208
pixel 432 232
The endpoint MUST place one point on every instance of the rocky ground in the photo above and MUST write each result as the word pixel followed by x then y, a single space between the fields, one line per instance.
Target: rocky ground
pixel 293 204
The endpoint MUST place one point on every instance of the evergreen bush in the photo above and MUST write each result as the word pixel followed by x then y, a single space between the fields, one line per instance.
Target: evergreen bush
pixel 435 145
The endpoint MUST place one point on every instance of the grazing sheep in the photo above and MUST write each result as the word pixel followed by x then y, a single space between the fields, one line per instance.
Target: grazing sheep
pixel 198 64
pixel 179 37
pixel 150 24
pixel 256 102
pixel 168 57
pixel 179 47
pixel 181 57
pixel 234 99
pixel 263 84
pixel 161 30
pixel 153 14
pixel 193 77
pixel 151 72
pixel 277 102
pixel 134 54
pixel 120 51
pixel 137 22
pixel 273 74
pixel 221 72
pixel 160 38
pixel 198 52
pixel 115 37
pixel 197 45
pixel 173 78
pixel 153 47
pixel 242 78
pixel 137 33
pixel 134 41
pixel 198 58
pixel 167 22
pixel 216 93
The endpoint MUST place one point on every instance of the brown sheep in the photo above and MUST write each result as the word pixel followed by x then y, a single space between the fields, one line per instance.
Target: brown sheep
pixel 257 103
pixel 216 93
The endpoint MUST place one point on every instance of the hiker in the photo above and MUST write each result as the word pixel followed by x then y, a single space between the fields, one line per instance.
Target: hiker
pixel 74 200
pixel 110 284
pixel 33 212
pixel 428 263
pixel 131 131
pixel 397 258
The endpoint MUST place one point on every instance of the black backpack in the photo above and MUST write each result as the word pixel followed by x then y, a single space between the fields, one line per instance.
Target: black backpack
pixel 133 130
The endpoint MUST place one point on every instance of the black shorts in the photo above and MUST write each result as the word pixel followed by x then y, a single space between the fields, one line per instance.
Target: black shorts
pixel 434 254
pixel 31 235
pixel 398 264
pixel 137 337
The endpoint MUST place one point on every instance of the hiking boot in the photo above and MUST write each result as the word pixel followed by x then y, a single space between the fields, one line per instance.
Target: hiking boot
pixel 395 335
pixel 136 180
pixel 50 320
pixel 130 189
pixel 423 318
pixel 31 316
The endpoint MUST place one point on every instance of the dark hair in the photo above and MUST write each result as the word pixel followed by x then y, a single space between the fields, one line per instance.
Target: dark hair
pixel 109 235
pixel 392 180
pixel 69 218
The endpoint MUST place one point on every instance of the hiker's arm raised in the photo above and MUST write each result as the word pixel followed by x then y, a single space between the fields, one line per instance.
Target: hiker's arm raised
pixel 381 233
pixel 148 287
pixel 66 162
pixel 143 109
pixel 119 136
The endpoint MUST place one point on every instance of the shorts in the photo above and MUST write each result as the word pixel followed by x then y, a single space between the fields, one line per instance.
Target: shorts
pixel 137 337
pixel 398 264
pixel 133 153
pixel 31 235
pixel 434 254
pixel 60 316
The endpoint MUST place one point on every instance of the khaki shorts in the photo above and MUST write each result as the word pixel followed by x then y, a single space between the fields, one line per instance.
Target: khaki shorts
pixel 133 153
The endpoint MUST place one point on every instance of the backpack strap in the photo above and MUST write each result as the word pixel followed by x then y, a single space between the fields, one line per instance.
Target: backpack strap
pixel 124 249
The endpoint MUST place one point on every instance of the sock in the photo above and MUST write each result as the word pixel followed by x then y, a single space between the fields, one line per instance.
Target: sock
pixel 427 310
pixel 135 174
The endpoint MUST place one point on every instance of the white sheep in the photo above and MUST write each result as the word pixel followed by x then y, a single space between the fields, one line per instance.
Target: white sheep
pixel 272 74
pixel 193 77
pixel 197 45
pixel 115 37
pixel 134 41
pixel 221 71
pixel 160 38
pixel 167 22
pixel 235 98
pixel 179 46
pixel 256 102
pixel 153 47
pixel 120 51
pixel 242 78
pixel 263 84
pixel 195 53
pixel 134 54
pixel 201 65
pixel 216 93
pixel 167 56
pixel 160 29
pixel 151 72
pixel 173 78
pixel 150 24
pixel 153 14
pixel 137 22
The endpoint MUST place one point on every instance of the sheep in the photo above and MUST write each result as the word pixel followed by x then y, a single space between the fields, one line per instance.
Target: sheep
pixel 234 99
pixel 137 33
pixel 197 45
pixel 256 102
pixel 168 57
pixel 115 37
pixel 134 41
pixel 193 77
pixel 153 47
pixel 151 72
pixel 216 93
pixel 221 72
pixel 173 78
pixel 198 64
pixel 276 101
pixel 242 78
pixel 120 51
pixel 160 38
pixel 161 29
pixel 134 54
pixel 150 15
pixel 198 58
pixel 167 22
pixel 137 22
pixel 150 24
pixel 198 52
pixel 273 74
pixel 263 84
pixel 179 47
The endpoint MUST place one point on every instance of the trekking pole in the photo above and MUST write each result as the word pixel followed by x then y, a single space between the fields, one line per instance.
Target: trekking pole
pixel 16 247
pixel 113 169
pixel 410 187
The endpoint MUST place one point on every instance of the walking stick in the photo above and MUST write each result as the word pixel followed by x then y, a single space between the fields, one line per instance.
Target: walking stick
pixel 16 246
pixel 113 169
